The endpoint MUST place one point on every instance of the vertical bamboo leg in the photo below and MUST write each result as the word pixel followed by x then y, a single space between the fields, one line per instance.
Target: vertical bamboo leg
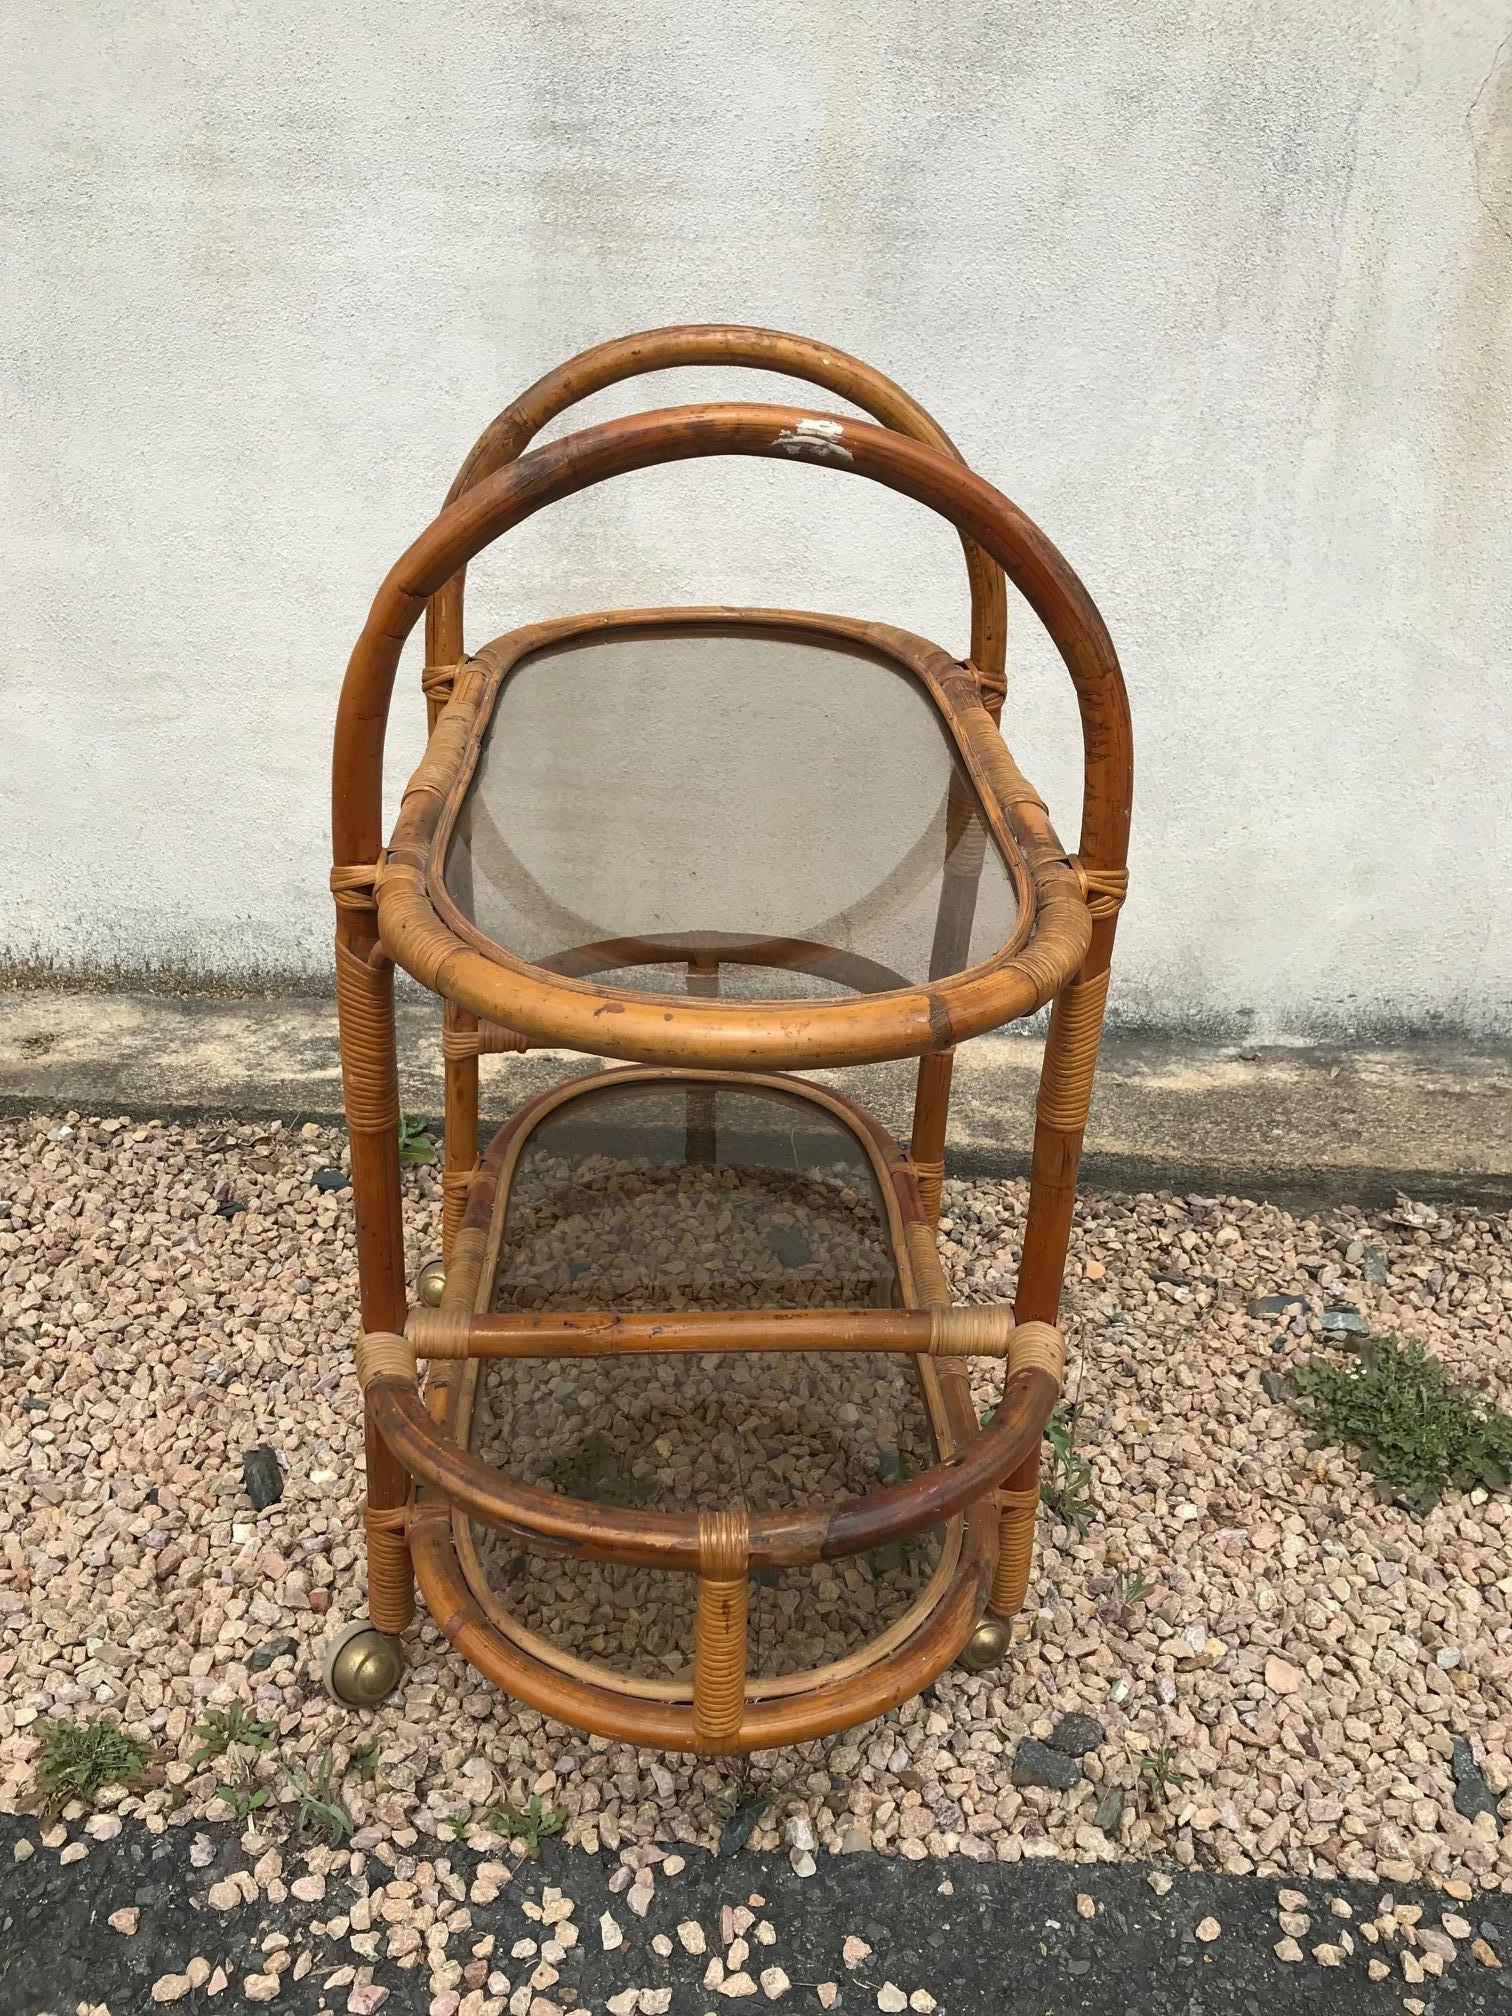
pixel 461 1145
pixel 965 850
pixel 719 1646
pixel 931 1117
pixel 370 1084
pixel 702 1144
pixel 1065 1096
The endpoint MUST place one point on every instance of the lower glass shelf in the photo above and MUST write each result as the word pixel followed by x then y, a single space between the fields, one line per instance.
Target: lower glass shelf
pixel 644 1190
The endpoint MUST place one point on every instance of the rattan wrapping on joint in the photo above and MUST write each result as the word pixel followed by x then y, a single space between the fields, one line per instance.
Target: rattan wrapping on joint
pixel 1040 967
pixel 438 1333
pixel 443 753
pixel 437 681
pixel 1076 1020
pixel 1105 888
pixel 1009 783
pixel 354 887
pixel 930 1177
pixel 1038 1347
pixel 983 1330
pixel 1010 1579
pixel 719 1647
pixel 425 940
pixel 383 1355
pixel 369 1070
pixel 488 1039
pixel 391 1583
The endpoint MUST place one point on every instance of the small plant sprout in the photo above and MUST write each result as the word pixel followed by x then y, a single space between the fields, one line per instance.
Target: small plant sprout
pixel 1066 1487
pixel 224 1727
pixel 595 1470
pixel 78 1760
pixel 1158 1774
pixel 529 1823
pixel 1130 1585
pixel 319 1805
pixel 363 1759
pixel 243 1795
pixel 415 1144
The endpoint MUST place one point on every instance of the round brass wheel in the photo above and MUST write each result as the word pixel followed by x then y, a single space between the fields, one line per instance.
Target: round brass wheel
pixel 430 1280
pixel 362 1665
pixel 986 1645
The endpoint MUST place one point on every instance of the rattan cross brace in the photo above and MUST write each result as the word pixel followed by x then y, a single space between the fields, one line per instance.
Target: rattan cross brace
pixel 975 1331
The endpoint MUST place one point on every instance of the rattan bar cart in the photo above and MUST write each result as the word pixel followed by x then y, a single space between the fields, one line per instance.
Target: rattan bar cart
pixel 695 1461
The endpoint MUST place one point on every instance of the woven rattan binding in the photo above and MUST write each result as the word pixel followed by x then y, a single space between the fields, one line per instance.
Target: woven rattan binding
pixel 383 1355
pixel 719 1646
pixel 1076 1020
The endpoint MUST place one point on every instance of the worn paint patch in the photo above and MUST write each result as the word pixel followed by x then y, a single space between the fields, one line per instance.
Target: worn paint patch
pixel 818 438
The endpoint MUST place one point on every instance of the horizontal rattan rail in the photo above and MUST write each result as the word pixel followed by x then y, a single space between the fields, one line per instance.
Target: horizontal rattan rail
pixel 962 1331
pixel 628 1718
pixel 789 1539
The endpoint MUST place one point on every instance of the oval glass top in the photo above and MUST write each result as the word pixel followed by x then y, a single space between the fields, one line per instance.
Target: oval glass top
pixel 747 811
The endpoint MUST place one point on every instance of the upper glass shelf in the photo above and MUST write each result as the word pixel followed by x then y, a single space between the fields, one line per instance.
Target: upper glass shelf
pixel 735 810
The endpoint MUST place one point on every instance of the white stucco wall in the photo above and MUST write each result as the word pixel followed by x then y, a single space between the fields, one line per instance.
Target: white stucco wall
pixel 1219 292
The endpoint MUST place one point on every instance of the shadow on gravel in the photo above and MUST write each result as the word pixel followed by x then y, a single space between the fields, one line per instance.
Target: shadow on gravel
pixel 979 1939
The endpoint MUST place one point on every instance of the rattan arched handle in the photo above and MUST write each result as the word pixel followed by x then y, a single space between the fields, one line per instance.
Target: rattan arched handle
pixel 734 346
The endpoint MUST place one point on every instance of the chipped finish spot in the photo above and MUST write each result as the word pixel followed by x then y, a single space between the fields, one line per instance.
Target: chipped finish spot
pixel 820 439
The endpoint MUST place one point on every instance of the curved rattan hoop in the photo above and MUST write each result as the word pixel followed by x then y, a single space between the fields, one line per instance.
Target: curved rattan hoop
pixel 734 346
pixel 642 440
pixel 556 1001
pixel 914 1024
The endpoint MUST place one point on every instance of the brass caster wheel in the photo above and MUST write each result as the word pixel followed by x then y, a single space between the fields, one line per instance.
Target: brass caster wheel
pixel 430 1283
pixel 986 1645
pixel 362 1665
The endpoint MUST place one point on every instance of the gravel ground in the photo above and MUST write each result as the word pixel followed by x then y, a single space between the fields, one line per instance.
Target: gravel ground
pixel 132 1928
pixel 1327 1674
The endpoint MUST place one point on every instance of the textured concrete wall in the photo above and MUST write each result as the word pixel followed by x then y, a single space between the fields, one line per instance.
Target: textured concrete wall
pixel 1219 293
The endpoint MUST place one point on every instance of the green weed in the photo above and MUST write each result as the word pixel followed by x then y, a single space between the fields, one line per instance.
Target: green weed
pixel 529 1823
pixel 415 1144
pixel 1066 1483
pixel 595 1471
pixel 1158 1774
pixel 1417 1431
pixel 79 1759
pixel 244 1795
pixel 319 1806
pixel 1129 1586
pixel 224 1726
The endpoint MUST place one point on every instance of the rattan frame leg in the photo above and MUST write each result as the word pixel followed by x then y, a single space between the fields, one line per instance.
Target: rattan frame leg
pixel 370 1089
pixel 460 1145
pixel 1065 1098
pixel 719 1645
